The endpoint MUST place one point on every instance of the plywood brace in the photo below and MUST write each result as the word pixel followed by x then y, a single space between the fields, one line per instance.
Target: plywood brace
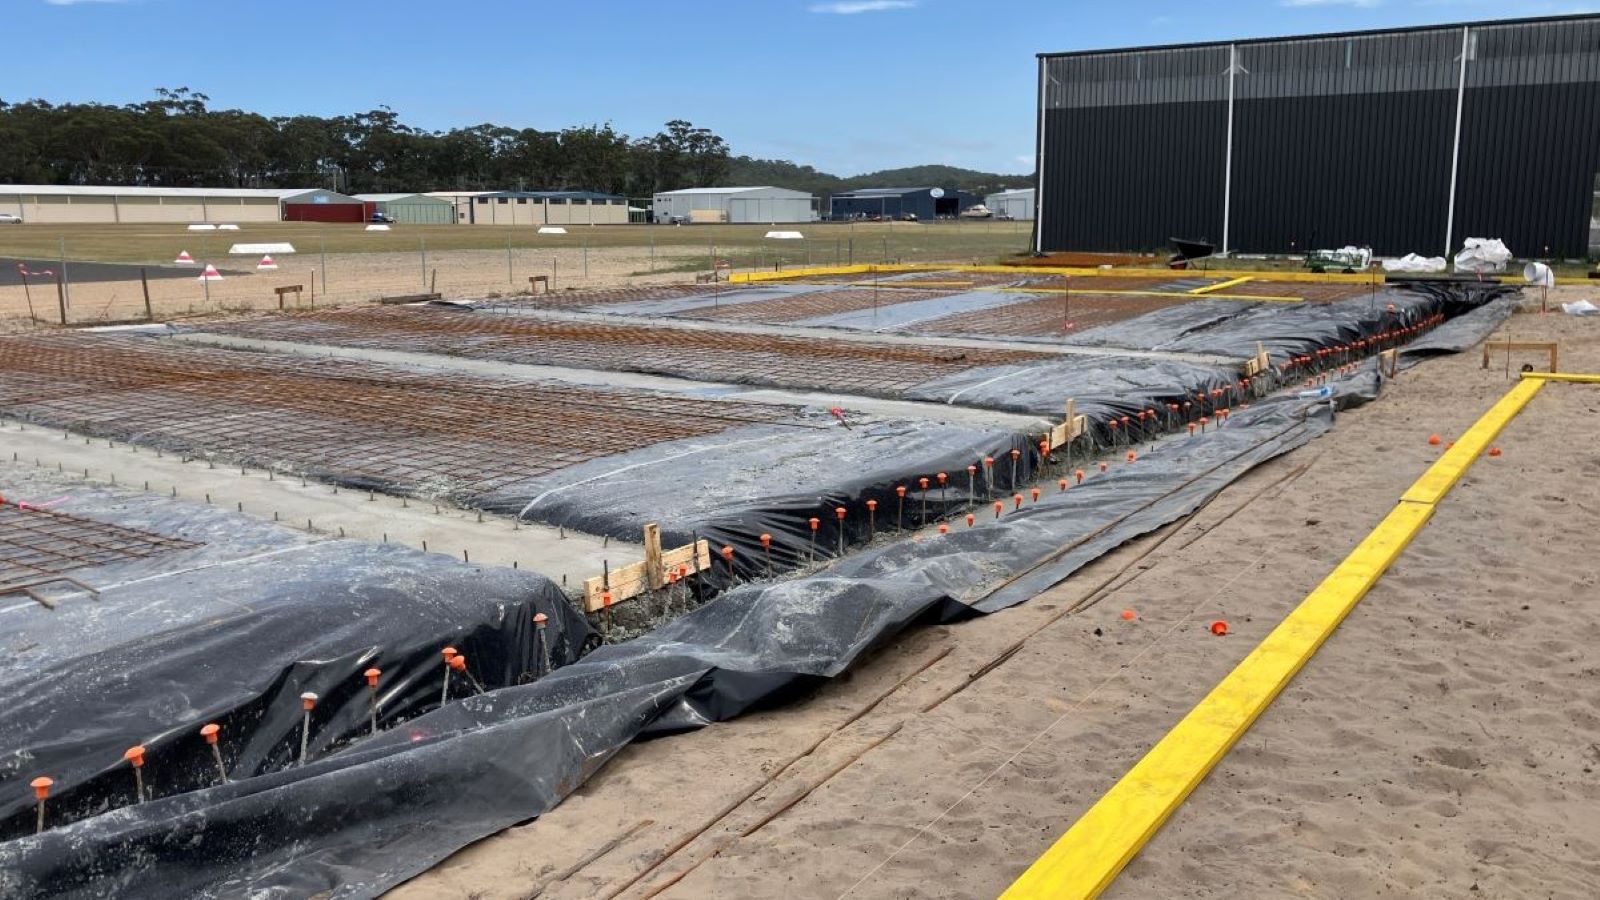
pixel 1261 363
pixel 1069 430
pixel 648 574
pixel 1508 346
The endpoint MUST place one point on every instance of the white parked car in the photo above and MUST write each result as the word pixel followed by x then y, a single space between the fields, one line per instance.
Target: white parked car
pixel 9 219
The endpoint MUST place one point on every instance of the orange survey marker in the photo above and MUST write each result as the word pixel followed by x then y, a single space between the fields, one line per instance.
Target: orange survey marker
pixel 1219 628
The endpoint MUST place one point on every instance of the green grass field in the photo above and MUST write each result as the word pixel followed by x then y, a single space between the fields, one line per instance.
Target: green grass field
pixel 824 243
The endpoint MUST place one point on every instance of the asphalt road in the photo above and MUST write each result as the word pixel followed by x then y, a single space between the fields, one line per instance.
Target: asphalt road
pixel 88 272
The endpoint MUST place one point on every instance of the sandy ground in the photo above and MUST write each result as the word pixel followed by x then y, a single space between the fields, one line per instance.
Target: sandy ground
pixel 1445 737
pixel 350 278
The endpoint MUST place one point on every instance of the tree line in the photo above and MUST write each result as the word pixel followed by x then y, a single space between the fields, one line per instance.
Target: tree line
pixel 176 140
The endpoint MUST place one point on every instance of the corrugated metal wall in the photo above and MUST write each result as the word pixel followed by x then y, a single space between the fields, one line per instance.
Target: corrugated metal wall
pixel 1346 139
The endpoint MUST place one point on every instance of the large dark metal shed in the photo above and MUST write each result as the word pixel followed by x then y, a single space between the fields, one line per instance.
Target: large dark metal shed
pixel 1406 140
pixel 895 203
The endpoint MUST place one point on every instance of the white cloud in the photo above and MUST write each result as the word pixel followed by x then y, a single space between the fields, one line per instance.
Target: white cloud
pixel 1359 4
pixel 854 7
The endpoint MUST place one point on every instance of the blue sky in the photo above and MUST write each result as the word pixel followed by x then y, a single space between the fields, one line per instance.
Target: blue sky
pixel 848 86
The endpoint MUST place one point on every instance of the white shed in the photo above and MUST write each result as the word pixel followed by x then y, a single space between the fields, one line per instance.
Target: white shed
pixel 766 205
pixel 1017 204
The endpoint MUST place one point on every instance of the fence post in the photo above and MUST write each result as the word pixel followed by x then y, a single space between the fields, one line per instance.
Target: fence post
pixel 144 282
pixel 61 294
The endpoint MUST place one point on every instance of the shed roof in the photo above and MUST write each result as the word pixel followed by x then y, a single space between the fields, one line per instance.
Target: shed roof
pixel 390 198
pixel 555 195
pixel 685 192
pixel 96 190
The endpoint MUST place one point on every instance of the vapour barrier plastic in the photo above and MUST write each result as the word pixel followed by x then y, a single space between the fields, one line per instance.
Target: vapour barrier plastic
pixel 733 487
pixel 895 315
pixel 362 820
pixel 233 631
pixel 1291 330
pixel 1466 330
pixel 1103 386
pixel 1159 327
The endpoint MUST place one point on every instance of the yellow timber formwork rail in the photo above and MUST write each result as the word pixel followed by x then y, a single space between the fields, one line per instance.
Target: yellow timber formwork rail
pixel 1085 860
pixel 1269 275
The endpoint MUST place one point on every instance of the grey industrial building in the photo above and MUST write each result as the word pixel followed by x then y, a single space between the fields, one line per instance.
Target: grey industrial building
pixel 1014 204
pixel 1404 140
pixel 926 203
pixel 734 204
pixel 412 209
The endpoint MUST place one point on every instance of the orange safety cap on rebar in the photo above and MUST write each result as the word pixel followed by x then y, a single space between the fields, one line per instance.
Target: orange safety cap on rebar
pixel 988 460
pixel 727 553
pixel 41 786
pixel 1494 451
pixel 999 505
pixel 1219 628
pixel 814 522
pixel 209 732
pixel 447 653
pixel 134 755
pixel 1078 474
pixel 1104 466
pixel 1434 440
pixel 1062 484
pixel 872 506
pixel 971 471
pixel 1132 456
pixel 308 700
pixel 942 478
pixel 605 600
pixel 943 528
pixel 1129 615
pixel 1017 499
pixel 1034 493
pixel 1015 453
pixel 459 662
pixel 374 674
pixel 971 520
pixel 766 540
pixel 900 490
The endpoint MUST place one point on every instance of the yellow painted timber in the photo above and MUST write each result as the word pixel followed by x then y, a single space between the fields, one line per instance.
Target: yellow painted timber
pixel 1175 295
pixel 1443 474
pixel 1570 377
pixel 1086 859
pixel 1223 285
pixel 1115 272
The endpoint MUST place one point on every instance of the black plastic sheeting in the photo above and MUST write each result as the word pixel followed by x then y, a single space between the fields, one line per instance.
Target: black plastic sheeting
pixel 735 486
pixel 357 822
pixel 1466 330
pixel 233 632
pixel 1232 329
pixel 1102 386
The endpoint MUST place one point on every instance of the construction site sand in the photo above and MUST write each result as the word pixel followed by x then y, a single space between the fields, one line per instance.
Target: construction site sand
pixel 1444 737
pixel 351 278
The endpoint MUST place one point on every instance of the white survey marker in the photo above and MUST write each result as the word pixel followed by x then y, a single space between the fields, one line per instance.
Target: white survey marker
pixel 260 249
pixel 550 229
pixel 785 235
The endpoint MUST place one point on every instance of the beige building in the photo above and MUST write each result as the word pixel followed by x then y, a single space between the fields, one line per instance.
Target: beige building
pixel 536 207
pixel 83 204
